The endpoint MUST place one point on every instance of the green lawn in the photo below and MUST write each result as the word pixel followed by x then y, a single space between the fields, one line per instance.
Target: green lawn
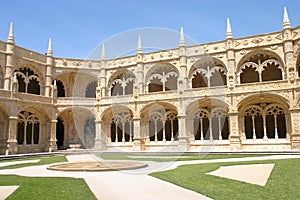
pixel 43 161
pixel 44 187
pixel 284 182
pixel 161 157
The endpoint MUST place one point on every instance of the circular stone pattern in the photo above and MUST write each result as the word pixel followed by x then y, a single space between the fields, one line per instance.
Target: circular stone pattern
pixel 94 166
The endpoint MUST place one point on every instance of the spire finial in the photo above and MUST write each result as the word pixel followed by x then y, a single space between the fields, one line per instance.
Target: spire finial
pixel 228 29
pixel 11 35
pixel 182 41
pixel 103 53
pixel 50 51
pixel 286 20
pixel 140 48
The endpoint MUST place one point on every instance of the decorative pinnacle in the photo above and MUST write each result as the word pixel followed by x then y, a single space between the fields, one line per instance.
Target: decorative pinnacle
pixel 228 29
pixel 11 35
pixel 140 48
pixel 182 41
pixel 50 51
pixel 103 53
pixel 286 20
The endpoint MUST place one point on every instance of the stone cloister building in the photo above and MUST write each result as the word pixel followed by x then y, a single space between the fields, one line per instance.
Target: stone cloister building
pixel 235 94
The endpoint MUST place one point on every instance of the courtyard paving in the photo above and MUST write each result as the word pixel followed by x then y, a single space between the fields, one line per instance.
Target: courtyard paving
pixel 136 184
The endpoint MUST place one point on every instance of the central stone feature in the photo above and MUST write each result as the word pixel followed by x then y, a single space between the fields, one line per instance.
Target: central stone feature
pixel 94 166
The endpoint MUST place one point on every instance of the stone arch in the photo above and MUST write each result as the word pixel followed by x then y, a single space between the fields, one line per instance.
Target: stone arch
pixel 207 72
pixel 118 124
pixel 32 129
pixel 76 123
pixel 207 119
pixel 260 65
pixel 161 77
pixel 121 83
pixel 67 80
pixel 90 91
pixel 60 87
pixel 82 81
pixel 60 132
pixel 159 122
pixel 29 79
pixel 264 116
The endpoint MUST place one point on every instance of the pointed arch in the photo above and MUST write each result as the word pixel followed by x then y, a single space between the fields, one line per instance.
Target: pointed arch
pixel 162 77
pixel 28 81
pixel 90 91
pixel 159 122
pixel 259 66
pixel 121 83
pixel 264 117
pixel 207 119
pixel 208 72
pixel 60 88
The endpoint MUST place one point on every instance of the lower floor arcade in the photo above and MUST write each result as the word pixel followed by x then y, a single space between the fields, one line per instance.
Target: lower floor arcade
pixel 256 123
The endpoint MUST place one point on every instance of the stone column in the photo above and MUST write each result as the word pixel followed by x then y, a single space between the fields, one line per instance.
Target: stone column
pixel 48 78
pixel 9 66
pixel 52 144
pixel 100 139
pixel 138 140
pixel 183 136
pixel 234 137
pixel 295 134
pixel 12 143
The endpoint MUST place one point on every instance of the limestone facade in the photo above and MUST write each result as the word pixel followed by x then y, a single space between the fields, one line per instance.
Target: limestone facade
pixel 236 94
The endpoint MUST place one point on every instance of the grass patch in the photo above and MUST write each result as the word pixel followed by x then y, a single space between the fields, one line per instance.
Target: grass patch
pixel 43 161
pixel 175 157
pixel 283 183
pixel 47 188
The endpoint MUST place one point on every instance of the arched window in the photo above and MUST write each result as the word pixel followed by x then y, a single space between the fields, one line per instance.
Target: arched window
pixel 122 84
pixel 208 74
pixel 259 68
pixel 198 80
pixel 122 128
pixel 162 78
pixel 271 72
pixel 90 91
pixel 265 121
pixel 220 124
pixel 28 129
pixel 89 133
pixel 275 122
pixel 156 128
pixel 211 125
pixel 201 125
pixel 28 81
pixel 60 88
pixel 60 133
pixel 249 74
pixel 253 121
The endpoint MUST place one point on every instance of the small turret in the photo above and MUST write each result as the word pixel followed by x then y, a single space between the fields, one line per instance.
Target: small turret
pixel 140 48
pixel 103 53
pixel 182 40
pixel 228 29
pixel 286 20
pixel 50 51
pixel 11 35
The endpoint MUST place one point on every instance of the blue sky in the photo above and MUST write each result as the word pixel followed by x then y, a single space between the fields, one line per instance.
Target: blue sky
pixel 78 26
